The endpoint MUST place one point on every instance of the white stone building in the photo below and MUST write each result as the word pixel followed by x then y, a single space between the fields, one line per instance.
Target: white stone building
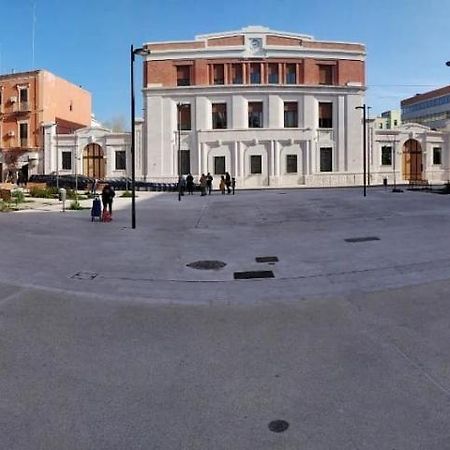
pixel 271 108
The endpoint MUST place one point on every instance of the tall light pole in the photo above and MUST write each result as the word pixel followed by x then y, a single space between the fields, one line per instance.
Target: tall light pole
pixel 179 106
pixel 364 108
pixel 368 145
pixel 133 53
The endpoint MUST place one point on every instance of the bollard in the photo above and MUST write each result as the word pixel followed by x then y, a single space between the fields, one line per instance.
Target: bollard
pixel 62 198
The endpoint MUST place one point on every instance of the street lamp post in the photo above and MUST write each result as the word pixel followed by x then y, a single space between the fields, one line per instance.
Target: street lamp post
pixel 364 108
pixel 179 106
pixel 368 145
pixel 133 53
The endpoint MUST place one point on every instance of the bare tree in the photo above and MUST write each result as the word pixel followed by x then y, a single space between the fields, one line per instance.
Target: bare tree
pixel 11 160
pixel 118 124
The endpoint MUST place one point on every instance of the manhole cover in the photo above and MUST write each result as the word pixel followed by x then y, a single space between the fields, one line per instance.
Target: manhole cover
pixel 363 239
pixel 206 265
pixel 253 274
pixel 278 426
pixel 266 259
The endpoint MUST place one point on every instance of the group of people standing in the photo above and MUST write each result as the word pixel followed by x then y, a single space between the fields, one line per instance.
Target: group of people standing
pixel 206 184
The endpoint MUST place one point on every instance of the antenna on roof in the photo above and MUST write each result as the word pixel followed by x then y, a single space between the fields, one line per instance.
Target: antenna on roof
pixel 33 32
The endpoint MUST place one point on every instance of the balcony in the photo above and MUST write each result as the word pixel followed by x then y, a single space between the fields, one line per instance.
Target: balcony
pixel 21 107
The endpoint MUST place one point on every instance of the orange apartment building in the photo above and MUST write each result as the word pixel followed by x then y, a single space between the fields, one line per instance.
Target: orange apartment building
pixel 28 102
pixel 269 107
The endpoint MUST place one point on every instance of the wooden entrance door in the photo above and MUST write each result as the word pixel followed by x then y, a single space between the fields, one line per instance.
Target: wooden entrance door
pixel 412 160
pixel 93 161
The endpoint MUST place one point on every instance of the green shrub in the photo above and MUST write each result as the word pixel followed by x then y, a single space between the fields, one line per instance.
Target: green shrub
pixel 41 192
pixel 127 194
pixel 75 204
pixel 18 196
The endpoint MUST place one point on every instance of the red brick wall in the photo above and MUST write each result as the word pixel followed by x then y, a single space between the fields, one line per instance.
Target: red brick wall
pixel 164 72
pixel 279 40
pixel 226 41
pixel 350 71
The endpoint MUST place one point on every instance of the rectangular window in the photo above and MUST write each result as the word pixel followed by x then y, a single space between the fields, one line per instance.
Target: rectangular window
pixel 219 115
pixel 66 160
pixel 290 115
pixel 291 74
pixel 219 165
pixel 236 73
pixel 23 95
pixel 23 133
pixel 183 75
pixel 255 73
pixel 325 115
pixel 437 155
pixel 291 163
pixel 121 160
pixel 185 157
pixel 23 99
pixel 386 155
pixel 184 116
pixel 325 74
pixel 326 162
pixel 1 96
pixel 273 73
pixel 255 164
pixel 255 115
pixel 218 73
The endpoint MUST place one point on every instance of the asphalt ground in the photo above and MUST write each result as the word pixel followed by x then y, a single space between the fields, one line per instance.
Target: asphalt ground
pixel 110 341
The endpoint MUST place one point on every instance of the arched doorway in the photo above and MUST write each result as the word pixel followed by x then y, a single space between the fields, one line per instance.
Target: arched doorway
pixel 93 161
pixel 412 160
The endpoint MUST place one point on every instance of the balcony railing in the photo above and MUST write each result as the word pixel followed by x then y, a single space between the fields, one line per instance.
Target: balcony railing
pixel 21 107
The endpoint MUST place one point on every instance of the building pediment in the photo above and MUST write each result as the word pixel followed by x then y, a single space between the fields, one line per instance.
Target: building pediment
pixel 413 127
pixel 97 132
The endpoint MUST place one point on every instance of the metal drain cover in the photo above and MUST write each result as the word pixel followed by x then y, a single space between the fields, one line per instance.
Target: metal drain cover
pixel 278 426
pixel 206 265
pixel 253 274
pixel 84 275
pixel 266 259
pixel 363 239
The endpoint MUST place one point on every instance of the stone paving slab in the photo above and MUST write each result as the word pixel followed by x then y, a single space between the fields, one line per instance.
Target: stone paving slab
pixel 109 341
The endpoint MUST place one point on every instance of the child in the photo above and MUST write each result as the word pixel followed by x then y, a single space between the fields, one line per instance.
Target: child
pixel 222 185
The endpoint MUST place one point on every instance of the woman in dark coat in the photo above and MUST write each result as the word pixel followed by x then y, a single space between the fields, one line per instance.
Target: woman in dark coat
pixel 107 197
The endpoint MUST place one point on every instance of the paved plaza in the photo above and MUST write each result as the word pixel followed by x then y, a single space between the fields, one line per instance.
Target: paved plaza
pixel 109 340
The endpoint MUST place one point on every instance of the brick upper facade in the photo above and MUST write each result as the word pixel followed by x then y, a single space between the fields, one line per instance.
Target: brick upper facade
pixel 313 62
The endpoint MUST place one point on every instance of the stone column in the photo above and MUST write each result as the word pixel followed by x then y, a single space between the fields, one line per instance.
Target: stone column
pixel 272 159
pixel 236 158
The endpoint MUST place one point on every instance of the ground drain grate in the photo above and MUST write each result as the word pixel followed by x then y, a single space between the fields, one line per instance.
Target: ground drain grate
pixel 253 274
pixel 266 259
pixel 363 239
pixel 278 426
pixel 84 276
pixel 206 265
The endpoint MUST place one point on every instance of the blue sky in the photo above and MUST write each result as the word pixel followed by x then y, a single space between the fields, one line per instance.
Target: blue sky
pixel 88 41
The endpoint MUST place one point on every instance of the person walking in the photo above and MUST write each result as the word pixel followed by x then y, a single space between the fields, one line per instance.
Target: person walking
pixel 228 182
pixel 203 184
pixel 190 184
pixel 222 185
pixel 233 184
pixel 107 197
pixel 209 180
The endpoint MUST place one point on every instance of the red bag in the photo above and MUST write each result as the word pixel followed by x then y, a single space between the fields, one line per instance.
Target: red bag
pixel 106 216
